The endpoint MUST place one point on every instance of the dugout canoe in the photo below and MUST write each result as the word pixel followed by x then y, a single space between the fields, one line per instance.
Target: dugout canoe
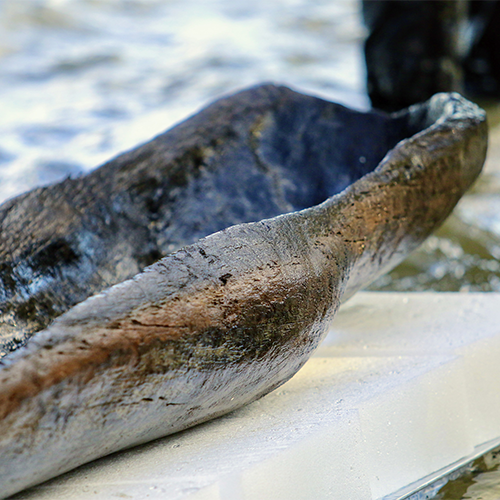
pixel 90 369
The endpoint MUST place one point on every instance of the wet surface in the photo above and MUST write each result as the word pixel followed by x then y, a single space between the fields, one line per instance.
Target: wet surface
pixel 479 480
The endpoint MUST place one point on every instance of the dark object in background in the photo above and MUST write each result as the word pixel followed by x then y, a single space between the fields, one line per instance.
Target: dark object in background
pixel 417 48
pixel 482 63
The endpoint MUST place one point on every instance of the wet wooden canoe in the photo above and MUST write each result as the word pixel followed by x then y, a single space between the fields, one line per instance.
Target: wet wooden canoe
pixel 235 313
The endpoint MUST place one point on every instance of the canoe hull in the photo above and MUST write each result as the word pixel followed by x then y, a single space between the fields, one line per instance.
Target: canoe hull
pixel 230 317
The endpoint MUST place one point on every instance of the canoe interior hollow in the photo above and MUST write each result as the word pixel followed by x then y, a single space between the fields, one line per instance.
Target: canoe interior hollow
pixel 247 157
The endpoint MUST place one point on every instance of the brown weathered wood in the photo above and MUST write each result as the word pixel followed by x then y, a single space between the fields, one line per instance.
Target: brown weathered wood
pixel 231 316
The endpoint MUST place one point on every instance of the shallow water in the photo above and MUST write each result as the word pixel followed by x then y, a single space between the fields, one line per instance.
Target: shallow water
pixel 479 480
pixel 82 80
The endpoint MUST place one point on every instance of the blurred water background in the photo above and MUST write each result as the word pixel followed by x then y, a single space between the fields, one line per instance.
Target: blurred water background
pixel 82 80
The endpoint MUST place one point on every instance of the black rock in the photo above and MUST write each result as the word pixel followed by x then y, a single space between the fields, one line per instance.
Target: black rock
pixel 416 49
